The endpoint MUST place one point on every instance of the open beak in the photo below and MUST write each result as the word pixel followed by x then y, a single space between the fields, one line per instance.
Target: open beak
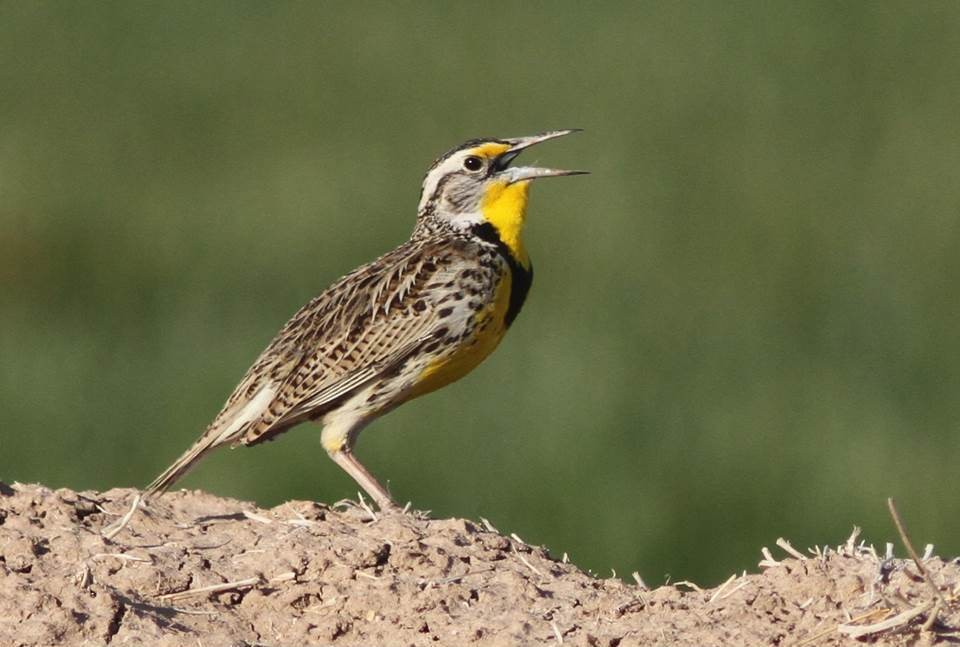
pixel 521 173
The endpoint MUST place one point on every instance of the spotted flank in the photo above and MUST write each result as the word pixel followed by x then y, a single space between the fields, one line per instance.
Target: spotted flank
pixel 408 323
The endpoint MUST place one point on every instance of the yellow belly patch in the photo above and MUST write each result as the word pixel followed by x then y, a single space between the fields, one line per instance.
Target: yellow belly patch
pixel 488 333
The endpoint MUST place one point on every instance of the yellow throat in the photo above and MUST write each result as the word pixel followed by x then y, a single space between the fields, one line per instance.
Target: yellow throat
pixel 505 207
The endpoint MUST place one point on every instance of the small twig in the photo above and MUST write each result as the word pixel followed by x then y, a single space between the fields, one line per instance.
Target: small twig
pixel 366 575
pixel 489 526
pixel 851 544
pixel 227 586
pixel 213 588
pixel 721 588
pixel 640 601
pixel 526 563
pixel 913 553
pixel 928 625
pixel 690 585
pixel 556 632
pixel 457 578
pixel 253 516
pixel 193 612
pixel 734 589
pixel 247 553
pixel 826 632
pixel 789 549
pixel 856 631
pixel 130 558
pixel 768 561
pixel 635 575
pixel 300 521
pixel 113 530
pixel 366 506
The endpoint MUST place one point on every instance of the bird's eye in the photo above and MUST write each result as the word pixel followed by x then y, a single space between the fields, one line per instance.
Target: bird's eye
pixel 473 163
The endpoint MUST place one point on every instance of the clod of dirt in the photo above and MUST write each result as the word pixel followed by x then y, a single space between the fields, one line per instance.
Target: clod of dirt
pixel 192 568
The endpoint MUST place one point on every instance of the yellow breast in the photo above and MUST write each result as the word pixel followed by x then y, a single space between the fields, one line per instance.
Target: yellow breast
pixel 505 207
pixel 454 364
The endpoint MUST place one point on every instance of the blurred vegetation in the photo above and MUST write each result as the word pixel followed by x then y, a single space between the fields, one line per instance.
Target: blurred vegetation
pixel 744 324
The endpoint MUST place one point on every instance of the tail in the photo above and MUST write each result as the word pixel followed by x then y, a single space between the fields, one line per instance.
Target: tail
pixel 182 465
pixel 229 426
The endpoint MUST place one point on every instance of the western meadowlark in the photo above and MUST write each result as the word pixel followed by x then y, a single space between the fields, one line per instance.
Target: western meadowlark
pixel 410 322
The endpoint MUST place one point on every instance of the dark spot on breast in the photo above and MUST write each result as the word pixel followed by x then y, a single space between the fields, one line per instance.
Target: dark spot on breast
pixel 419 306
pixel 444 312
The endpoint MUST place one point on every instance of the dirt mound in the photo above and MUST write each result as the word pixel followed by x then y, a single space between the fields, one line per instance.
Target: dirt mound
pixel 192 568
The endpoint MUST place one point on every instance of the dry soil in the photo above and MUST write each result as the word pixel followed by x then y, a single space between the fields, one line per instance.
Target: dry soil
pixel 195 569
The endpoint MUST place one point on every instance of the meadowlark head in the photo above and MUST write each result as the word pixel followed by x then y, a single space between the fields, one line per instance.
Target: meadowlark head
pixel 474 184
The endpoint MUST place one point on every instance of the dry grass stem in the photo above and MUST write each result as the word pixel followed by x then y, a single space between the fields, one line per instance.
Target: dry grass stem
pixel 489 526
pixel 768 560
pixel 928 625
pixel 790 550
pixel 826 632
pixel 850 545
pixel 857 631
pixel 124 556
pixel 913 553
pixel 635 575
pixel 369 576
pixel 226 586
pixel 556 632
pixel 722 588
pixel 517 539
pixel 113 530
pixel 366 506
pixel 527 563
pixel 253 516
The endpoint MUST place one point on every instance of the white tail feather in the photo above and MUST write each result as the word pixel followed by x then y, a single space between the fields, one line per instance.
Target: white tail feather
pixel 232 427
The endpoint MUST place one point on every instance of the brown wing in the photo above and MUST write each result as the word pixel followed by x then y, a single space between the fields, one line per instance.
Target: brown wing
pixel 368 322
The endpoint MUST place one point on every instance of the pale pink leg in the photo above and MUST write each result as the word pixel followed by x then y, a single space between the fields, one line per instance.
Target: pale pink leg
pixel 345 459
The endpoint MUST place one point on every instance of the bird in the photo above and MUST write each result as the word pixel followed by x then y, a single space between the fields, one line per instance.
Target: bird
pixel 410 322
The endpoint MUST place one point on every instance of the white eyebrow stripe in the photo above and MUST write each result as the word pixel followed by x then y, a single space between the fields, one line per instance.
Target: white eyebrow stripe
pixel 432 180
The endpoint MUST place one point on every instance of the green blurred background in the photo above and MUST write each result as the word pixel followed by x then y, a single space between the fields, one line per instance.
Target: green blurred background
pixel 743 325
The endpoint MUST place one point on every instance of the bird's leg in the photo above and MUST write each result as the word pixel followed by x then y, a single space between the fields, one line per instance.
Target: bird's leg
pixel 345 459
